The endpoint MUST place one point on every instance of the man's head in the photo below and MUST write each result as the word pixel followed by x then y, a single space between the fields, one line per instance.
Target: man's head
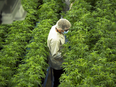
pixel 63 24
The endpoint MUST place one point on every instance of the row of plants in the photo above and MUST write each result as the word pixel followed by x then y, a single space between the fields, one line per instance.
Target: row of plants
pixel 15 38
pixel 91 60
pixel 3 33
pixel 32 71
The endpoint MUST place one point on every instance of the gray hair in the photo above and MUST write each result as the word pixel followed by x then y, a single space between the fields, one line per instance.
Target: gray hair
pixel 63 23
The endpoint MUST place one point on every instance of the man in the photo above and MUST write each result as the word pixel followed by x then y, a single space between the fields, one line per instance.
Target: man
pixel 54 42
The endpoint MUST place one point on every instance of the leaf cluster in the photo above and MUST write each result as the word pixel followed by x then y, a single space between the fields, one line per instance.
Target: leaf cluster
pixel 14 38
pixel 34 65
pixel 90 61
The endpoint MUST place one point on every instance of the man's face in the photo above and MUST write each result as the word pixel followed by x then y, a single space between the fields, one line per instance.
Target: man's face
pixel 66 29
pixel 62 30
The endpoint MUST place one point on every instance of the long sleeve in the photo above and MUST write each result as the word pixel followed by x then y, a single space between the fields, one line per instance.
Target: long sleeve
pixel 54 47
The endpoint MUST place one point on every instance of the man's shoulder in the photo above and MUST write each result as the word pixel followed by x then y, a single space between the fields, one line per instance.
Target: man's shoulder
pixel 53 26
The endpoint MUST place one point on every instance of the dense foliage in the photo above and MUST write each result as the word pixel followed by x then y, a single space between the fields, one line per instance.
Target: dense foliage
pixel 91 60
pixel 14 38
pixel 23 55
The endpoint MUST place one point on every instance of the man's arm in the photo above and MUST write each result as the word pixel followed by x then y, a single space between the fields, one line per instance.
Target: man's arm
pixel 54 49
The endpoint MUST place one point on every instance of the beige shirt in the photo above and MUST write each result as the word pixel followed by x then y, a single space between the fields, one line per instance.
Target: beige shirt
pixel 54 42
